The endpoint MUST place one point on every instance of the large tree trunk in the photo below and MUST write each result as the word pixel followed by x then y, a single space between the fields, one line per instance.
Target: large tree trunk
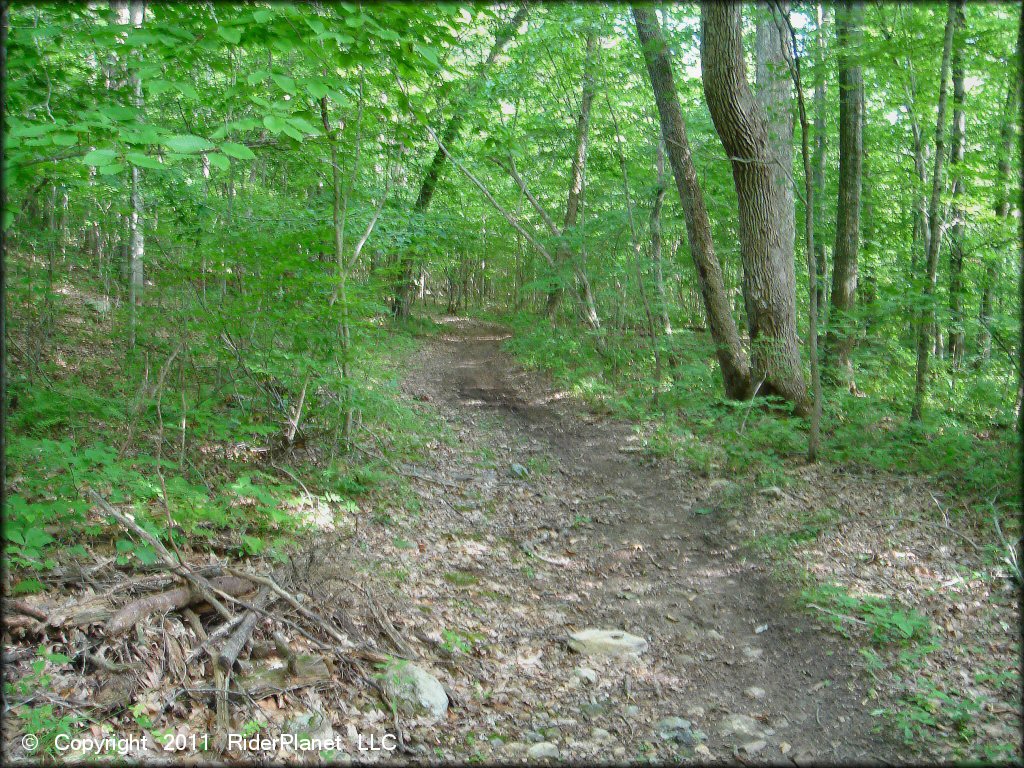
pixel 926 317
pixel 956 236
pixel 659 277
pixel 406 281
pixel 768 269
pixel 731 357
pixel 842 331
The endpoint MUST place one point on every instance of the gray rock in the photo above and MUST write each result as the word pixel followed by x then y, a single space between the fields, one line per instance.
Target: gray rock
pixel 754 747
pixel 533 737
pixel 514 747
pixel 544 750
pixel 518 470
pixel 585 674
pixel 600 734
pixel 632 710
pixel 742 726
pixel 552 734
pixel 606 642
pixel 676 729
pixel 312 725
pixel 754 692
pixel 416 692
pixel 619 752
pixel 592 709
pixel 752 653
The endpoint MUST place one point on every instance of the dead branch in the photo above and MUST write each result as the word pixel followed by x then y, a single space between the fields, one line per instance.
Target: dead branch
pixel 228 654
pixel 170 600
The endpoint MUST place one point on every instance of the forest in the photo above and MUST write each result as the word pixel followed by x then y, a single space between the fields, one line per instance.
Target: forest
pixel 512 382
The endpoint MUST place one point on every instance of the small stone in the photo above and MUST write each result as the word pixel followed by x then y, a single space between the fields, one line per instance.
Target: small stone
pixel 585 674
pixel 606 642
pixel 515 747
pixel 755 692
pixel 632 710
pixel 592 709
pixel 702 750
pixel 533 736
pixel 310 725
pixel 754 747
pixel 552 734
pixel 675 729
pixel 416 691
pixel 695 712
pixel 600 734
pixel 743 726
pixel 619 752
pixel 518 470
pixel 544 750
pixel 773 492
pixel 752 653
pixel 784 747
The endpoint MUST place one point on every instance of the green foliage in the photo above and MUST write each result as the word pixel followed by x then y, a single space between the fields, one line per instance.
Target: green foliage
pixel 887 625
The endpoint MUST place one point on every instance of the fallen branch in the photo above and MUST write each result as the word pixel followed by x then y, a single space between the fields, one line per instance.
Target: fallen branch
pixel 171 600
pixel 228 654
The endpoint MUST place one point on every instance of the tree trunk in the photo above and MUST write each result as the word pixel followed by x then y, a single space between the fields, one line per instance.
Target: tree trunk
pixel 768 269
pixel 406 282
pixel 842 330
pixel 659 278
pixel 1002 206
pixel 136 236
pixel 572 206
pixel 818 164
pixel 926 317
pixel 956 336
pixel 731 358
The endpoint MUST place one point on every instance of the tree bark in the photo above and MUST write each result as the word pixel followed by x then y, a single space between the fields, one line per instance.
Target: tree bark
pixel 731 357
pixel 926 317
pixel 1002 206
pixel 406 282
pixel 768 264
pixel 818 162
pixel 572 205
pixel 842 331
pixel 655 223
pixel 956 336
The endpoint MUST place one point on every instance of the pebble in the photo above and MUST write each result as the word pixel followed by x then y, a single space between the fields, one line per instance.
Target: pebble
pixel 533 736
pixel 619 752
pixel 600 734
pixel 632 710
pixel 753 653
pixel 754 692
pixel 585 674
pixel 753 747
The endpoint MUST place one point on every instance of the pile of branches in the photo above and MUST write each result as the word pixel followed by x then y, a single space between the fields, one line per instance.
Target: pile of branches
pixel 228 610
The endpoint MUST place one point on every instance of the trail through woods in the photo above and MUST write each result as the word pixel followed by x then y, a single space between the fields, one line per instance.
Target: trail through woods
pixel 620 543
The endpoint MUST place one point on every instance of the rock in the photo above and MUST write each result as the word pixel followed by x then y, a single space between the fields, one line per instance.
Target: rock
pixel 619 752
pixel 702 750
pixel 544 750
pixel 518 470
pixel 592 709
pixel 533 737
pixel 514 747
pixel 632 710
pixel 753 747
pixel 100 306
pixel 606 642
pixel 753 692
pixel 773 492
pixel 695 712
pixel 784 747
pixel 552 734
pixel 753 653
pixel 312 725
pixel 416 692
pixel 676 729
pixel 741 725
pixel 600 734
pixel 585 674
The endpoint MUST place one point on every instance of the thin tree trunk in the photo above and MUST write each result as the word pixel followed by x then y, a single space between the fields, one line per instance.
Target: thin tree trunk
pixel 768 267
pixel 818 163
pixel 1002 206
pixel 842 330
pixel 731 357
pixel 926 317
pixel 782 20
pixel 406 283
pixel 572 206
pixel 659 278
pixel 956 337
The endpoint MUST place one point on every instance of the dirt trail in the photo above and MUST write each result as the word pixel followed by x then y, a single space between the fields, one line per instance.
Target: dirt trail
pixel 624 543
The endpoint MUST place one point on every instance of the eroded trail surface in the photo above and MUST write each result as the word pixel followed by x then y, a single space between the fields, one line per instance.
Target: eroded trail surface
pixel 561 525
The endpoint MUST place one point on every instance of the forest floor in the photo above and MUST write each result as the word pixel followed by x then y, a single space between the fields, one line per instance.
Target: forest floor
pixel 536 517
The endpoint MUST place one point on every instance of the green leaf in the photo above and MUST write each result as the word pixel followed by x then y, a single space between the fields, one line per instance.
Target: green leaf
pixel 110 170
pixel 257 77
pixel 316 89
pixel 238 151
pixel 27 587
pixel 219 161
pixel 427 53
pixel 188 144
pixel 285 83
pixel 274 124
pixel 232 34
pixel 100 157
pixel 143 161
pixel 65 139
pixel 301 124
pixel 142 134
